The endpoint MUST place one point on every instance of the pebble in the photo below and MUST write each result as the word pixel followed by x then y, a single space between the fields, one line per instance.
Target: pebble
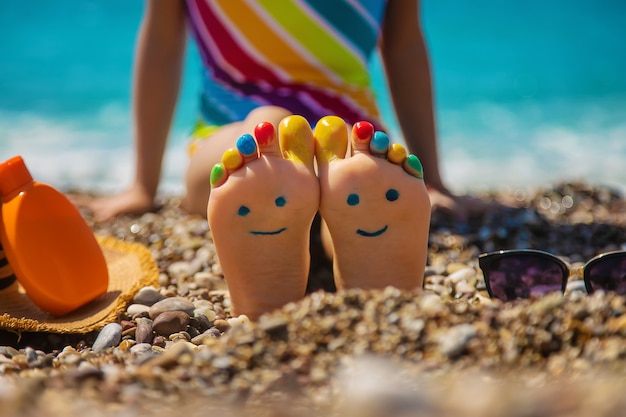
pixel 134 310
pixel 8 351
pixel 169 322
pixel 147 296
pixel 461 275
pixel 109 336
pixel 454 340
pixel 222 325
pixel 207 312
pixel 431 304
pixel 140 348
pixel 172 304
pixel 144 333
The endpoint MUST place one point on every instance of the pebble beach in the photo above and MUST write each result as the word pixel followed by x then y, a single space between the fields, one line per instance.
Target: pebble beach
pixel 445 350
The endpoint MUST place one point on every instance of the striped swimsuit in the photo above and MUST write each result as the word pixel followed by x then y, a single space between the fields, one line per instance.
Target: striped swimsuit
pixel 308 56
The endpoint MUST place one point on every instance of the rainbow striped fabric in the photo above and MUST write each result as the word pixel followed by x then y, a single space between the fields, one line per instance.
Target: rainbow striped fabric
pixel 309 57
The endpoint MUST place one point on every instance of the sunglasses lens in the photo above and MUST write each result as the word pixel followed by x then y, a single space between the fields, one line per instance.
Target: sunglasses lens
pixel 608 274
pixel 524 275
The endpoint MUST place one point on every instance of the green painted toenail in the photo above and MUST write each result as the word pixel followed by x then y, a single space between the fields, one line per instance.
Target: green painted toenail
pixel 413 166
pixel 218 175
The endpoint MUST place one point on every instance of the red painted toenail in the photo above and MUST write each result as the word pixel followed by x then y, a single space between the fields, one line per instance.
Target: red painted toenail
pixel 363 130
pixel 264 133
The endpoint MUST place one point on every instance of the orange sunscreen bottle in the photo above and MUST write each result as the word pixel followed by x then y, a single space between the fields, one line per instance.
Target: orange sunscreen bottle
pixel 51 249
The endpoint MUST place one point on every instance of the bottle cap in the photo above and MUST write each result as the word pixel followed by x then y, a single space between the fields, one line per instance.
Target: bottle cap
pixel 13 175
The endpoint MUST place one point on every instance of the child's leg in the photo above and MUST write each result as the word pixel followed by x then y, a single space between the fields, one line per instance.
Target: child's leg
pixel 376 207
pixel 260 213
pixel 210 152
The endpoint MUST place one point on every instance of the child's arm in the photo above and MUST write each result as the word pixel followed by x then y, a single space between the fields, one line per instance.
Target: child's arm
pixel 405 58
pixel 407 66
pixel 156 81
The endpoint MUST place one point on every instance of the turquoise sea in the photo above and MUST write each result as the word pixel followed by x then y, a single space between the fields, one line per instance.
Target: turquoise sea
pixel 526 93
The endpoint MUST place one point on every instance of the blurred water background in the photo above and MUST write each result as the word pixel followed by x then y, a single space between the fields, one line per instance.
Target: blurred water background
pixel 526 93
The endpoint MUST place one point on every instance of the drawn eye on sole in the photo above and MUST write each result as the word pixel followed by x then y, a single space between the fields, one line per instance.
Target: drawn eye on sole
pixel 275 232
pixel 371 234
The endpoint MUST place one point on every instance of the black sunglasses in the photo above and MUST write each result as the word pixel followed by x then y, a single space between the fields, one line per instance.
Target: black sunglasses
pixel 529 273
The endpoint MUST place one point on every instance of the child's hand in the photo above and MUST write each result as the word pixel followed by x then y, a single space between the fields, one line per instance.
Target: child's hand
pixel 459 207
pixel 134 200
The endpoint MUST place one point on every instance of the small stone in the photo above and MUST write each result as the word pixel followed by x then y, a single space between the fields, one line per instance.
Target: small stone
pixel 140 348
pixel 169 358
pixel 222 325
pixel 431 304
pixel 463 287
pixel 205 311
pixel 159 341
pixel 176 337
pixel 8 351
pixel 135 310
pixel 170 322
pixel 275 327
pixel 126 344
pixel 208 280
pixel 172 304
pixel 183 269
pixel 109 336
pixel 31 355
pixel 454 340
pixel 454 267
pixel 461 274
pixel 576 286
pixel 143 333
pixel 213 332
pixel 147 296
pixel 200 322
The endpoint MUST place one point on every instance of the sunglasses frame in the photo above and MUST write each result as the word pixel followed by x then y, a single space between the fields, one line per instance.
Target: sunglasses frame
pixel 602 257
pixel 485 261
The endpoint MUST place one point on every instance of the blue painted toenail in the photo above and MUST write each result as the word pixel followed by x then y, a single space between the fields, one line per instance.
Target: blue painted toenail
pixel 243 211
pixel 246 145
pixel 353 199
pixel 379 143
pixel 280 201
pixel 392 194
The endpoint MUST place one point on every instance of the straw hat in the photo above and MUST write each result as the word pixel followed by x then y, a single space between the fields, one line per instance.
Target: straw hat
pixel 131 267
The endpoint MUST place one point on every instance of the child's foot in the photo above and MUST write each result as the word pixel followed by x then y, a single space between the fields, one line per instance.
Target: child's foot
pixel 263 200
pixel 376 207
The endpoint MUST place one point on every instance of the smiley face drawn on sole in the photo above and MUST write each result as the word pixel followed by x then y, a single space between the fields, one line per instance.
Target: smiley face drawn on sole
pixel 353 200
pixel 245 210
pixel 372 234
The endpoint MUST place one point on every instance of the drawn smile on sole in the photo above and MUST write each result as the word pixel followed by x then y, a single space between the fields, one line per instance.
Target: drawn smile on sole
pixel 371 234
pixel 275 232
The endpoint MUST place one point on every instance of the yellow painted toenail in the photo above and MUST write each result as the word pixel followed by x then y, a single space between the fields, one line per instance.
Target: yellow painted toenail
pixel 292 136
pixel 232 159
pixel 331 136
pixel 396 154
